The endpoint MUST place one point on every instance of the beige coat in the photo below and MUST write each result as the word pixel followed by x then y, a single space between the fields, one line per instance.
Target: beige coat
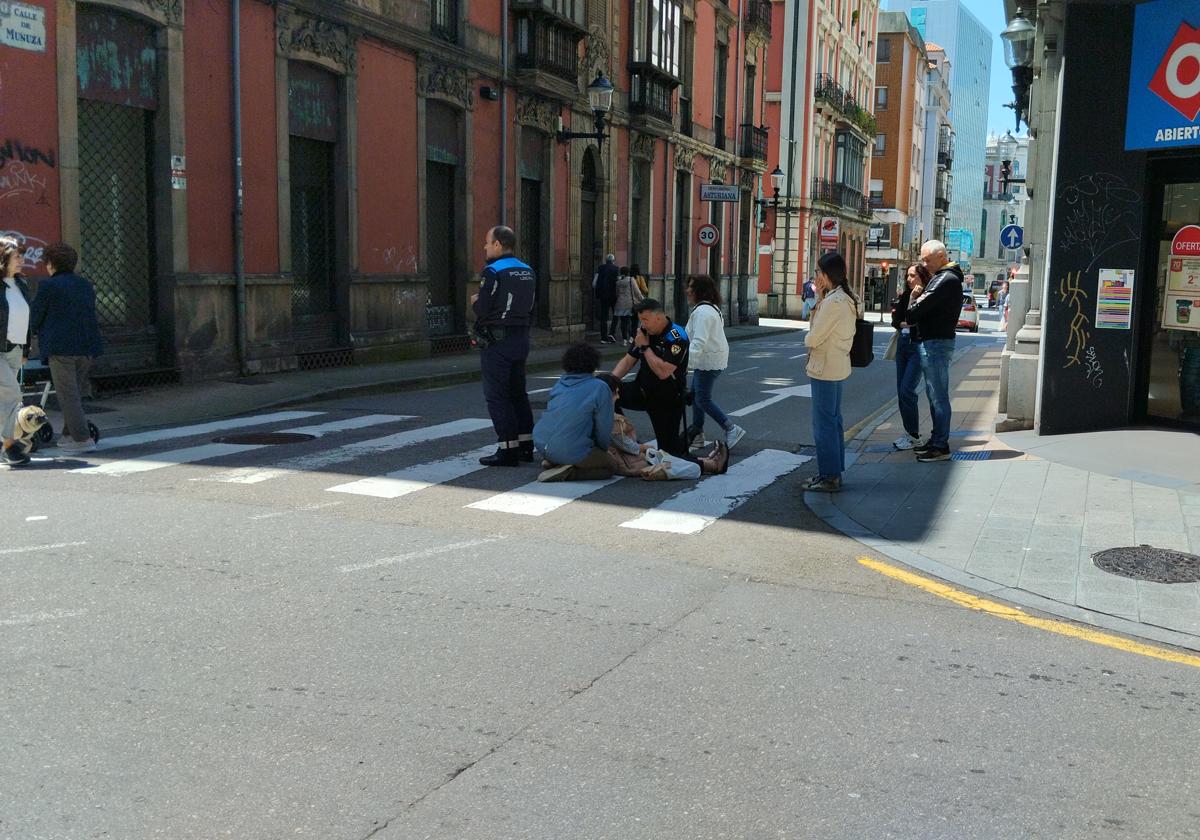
pixel 829 337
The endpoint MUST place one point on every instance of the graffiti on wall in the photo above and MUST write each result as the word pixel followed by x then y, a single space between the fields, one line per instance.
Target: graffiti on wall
pixel 1101 213
pixel 34 248
pixel 19 175
pixel 1072 295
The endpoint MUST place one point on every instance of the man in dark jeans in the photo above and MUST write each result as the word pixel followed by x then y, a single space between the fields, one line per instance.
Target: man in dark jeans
pixel 934 311
pixel 604 283
pixel 64 317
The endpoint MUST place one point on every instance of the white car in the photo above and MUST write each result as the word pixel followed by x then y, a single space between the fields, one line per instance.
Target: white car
pixel 968 318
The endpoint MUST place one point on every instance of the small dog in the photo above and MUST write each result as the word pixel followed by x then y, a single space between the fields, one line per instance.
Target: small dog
pixel 30 420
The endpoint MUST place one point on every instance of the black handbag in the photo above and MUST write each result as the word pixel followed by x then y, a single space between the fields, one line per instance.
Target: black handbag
pixel 862 351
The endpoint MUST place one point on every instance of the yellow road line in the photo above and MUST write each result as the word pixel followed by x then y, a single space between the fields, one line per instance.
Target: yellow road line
pixel 1063 628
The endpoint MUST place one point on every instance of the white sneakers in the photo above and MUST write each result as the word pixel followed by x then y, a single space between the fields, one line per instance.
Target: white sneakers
pixel 733 434
pixel 905 442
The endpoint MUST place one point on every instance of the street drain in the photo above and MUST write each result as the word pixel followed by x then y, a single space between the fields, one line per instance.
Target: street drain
pixel 986 455
pixel 265 438
pixel 1144 562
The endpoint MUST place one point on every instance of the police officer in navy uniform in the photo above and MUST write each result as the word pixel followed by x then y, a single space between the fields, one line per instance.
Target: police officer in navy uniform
pixel 661 346
pixel 503 315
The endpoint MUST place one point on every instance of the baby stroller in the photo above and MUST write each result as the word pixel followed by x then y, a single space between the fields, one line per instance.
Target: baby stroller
pixel 33 396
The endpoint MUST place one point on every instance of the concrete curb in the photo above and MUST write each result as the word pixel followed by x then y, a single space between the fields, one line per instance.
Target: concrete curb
pixel 823 507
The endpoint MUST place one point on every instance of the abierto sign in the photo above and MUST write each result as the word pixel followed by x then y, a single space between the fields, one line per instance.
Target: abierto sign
pixel 1164 76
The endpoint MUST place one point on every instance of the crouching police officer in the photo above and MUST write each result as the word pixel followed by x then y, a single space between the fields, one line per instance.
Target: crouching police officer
pixel 658 389
pixel 503 312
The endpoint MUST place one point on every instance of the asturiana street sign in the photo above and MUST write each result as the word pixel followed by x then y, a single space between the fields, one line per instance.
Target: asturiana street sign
pixel 1164 76
pixel 719 192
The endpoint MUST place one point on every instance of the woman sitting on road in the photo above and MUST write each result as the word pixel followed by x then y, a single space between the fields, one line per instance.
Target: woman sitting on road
pixel 908 358
pixel 830 335
pixel 707 357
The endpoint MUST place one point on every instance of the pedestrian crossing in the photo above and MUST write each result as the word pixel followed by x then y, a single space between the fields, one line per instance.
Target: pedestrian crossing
pixel 685 508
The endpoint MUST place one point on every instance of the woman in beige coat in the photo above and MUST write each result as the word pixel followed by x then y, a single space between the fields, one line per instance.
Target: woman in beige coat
pixel 829 337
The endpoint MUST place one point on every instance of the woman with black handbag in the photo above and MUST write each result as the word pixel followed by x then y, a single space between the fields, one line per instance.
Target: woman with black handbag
pixel 829 338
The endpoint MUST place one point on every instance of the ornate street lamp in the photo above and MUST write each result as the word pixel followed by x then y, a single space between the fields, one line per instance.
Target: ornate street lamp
pixel 777 177
pixel 600 93
pixel 1006 146
pixel 1018 55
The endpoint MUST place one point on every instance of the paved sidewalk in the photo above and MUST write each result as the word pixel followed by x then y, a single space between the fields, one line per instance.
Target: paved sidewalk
pixel 1023 521
pixel 212 399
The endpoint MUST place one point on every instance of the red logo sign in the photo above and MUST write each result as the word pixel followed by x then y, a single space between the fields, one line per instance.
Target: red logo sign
pixel 1187 242
pixel 830 229
pixel 1177 80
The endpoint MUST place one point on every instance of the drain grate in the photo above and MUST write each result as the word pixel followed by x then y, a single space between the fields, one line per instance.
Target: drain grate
pixel 986 455
pixel 265 438
pixel 1144 562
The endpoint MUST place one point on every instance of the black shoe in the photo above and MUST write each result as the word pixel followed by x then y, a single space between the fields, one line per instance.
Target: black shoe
pixel 502 458
pixel 15 456
pixel 921 447
pixel 934 453
pixel 525 452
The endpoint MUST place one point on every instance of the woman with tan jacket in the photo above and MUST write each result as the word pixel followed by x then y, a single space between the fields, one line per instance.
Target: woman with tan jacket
pixel 830 334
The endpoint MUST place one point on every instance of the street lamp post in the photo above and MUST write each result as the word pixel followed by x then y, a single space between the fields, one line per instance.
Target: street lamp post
pixel 1018 40
pixel 600 93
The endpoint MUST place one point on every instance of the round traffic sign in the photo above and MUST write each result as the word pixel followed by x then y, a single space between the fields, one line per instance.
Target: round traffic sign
pixel 708 235
pixel 1012 237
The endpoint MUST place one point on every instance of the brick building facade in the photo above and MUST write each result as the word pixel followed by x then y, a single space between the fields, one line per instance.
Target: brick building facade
pixel 380 139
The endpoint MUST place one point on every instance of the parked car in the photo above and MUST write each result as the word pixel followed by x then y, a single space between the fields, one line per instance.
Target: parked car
pixel 968 319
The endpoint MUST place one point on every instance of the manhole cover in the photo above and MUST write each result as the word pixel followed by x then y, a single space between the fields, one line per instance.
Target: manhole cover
pixel 1158 565
pixel 265 438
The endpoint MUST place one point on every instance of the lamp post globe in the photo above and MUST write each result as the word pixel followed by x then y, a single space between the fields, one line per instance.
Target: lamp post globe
pixel 777 179
pixel 1007 147
pixel 1018 42
pixel 600 94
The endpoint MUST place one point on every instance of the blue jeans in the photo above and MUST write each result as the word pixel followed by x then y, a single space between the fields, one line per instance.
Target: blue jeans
pixel 827 428
pixel 936 354
pixel 702 403
pixel 908 379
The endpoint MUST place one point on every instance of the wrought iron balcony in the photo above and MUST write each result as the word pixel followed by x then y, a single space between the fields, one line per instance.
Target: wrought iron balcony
pixel 543 44
pixel 651 96
pixel 840 195
pixel 758 16
pixel 827 90
pixel 754 142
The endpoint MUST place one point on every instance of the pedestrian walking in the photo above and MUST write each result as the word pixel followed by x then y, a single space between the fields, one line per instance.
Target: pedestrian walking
pixel 64 318
pixel 503 314
pixel 934 311
pixel 15 327
pixel 828 341
pixel 640 279
pixel 660 348
pixel 908 360
pixel 604 285
pixel 707 358
pixel 628 296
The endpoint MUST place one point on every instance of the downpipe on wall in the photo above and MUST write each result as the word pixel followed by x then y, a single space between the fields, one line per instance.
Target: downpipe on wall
pixel 239 208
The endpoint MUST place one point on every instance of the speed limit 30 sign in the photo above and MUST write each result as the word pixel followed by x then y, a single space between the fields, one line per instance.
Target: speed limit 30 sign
pixel 708 235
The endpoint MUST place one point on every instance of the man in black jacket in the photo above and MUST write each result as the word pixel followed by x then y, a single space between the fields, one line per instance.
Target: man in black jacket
pixel 604 282
pixel 503 314
pixel 934 311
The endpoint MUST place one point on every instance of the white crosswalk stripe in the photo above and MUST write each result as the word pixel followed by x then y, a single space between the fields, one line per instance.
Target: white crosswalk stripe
pixel 393 485
pixel 208 451
pixel 694 509
pixel 536 499
pixel 350 451
pixel 177 432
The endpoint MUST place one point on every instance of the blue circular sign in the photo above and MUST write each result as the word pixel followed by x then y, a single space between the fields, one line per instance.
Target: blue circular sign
pixel 1012 237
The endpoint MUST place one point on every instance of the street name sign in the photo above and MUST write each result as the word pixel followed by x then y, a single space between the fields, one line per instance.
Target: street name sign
pixel 719 192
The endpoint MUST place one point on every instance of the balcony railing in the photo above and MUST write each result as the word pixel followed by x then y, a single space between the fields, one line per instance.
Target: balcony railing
pixel 651 96
pixel 758 16
pixel 754 142
pixel 443 20
pixel 842 196
pixel 542 45
pixel 844 103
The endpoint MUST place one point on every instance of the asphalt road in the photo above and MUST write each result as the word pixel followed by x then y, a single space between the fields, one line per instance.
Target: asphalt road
pixel 325 640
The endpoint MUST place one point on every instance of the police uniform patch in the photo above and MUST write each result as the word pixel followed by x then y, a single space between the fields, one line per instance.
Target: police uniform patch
pixel 676 349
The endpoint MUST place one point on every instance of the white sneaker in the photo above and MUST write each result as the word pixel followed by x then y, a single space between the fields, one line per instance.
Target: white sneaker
pixel 78 447
pixel 905 442
pixel 733 434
